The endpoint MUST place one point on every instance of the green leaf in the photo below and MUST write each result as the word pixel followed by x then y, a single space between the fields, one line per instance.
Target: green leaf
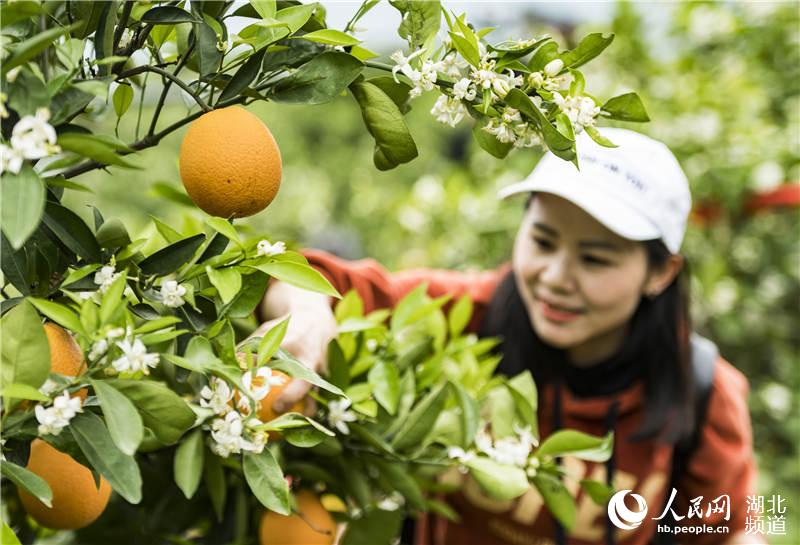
pixel 14 265
pixel 7 536
pixel 118 468
pixel 104 35
pixel 459 316
pixel 385 381
pixel 579 445
pixel 599 138
pixel 556 498
pixel 599 492
pixel 393 142
pixel 375 526
pixel 338 372
pixel 304 437
pixel 399 476
pixel 302 276
pixel 208 56
pixel 228 282
pixel 155 325
pixel 25 350
pixel 113 234
pixel 188 466
pixel 14 12
pixel 243 77
pixel 124 423
pixel 60 314
pixel 297 370
pixel 466 49
pixel 265 8
pixel 330 36
pixel 489 142
pixel 172 257
pixel 225 228
pixel 93 147
pixel 167 191
pixel 271 341
pixel 112 299
pixel 251 294
pixel 421 21
pixel 469 414
pixel 25 51
pixel 22 391
pixel 588 48
pixel 162 410
pixel 543 55
pixel 559 144
pixel 122 99
pixel 500 481
pixel 265 479
pixel 627 107
pixel 71 230
pixel 168 15
pixel 421 419
pixel 23 197
pixel 320 80
pixel 296 16
pixel 28 480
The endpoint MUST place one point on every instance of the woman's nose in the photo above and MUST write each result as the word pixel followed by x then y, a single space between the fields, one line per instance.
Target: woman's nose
pixel 556 273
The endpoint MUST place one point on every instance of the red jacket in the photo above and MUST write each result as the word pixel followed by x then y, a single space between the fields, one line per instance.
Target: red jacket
pixel 722 464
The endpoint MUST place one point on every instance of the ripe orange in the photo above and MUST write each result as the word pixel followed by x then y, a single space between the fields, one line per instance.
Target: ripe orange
pixel 77 502
pixel 230 164
pixel 265 410
pixel 312 525
pixel 66 357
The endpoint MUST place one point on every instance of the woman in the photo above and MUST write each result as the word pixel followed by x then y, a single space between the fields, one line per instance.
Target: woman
pixel 595 305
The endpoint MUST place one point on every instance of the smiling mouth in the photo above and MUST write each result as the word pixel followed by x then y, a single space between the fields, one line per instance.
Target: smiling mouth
pixel 558 308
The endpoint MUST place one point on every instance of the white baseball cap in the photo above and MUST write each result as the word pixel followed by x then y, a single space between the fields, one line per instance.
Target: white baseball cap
pixel 638 190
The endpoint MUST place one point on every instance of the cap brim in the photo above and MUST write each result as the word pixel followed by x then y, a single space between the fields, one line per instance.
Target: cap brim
pixel 619 217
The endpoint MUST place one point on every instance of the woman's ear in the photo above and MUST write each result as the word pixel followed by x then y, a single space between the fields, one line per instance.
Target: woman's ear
pixel 658 280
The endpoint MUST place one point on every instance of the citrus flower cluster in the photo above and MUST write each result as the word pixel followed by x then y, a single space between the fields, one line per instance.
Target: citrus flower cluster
pixel 487 85
pixel 509 450
pixel 31 138
pixel 55 418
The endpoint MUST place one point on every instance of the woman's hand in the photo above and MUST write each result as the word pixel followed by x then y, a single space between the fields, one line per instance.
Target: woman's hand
pixel 311 327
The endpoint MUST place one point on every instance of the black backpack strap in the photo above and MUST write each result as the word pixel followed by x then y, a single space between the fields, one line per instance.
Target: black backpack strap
pixel 704 358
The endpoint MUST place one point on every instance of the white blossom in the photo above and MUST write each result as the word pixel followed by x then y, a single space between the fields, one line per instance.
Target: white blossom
pixel 227 434
pixel 392 502
pixel 552 68
pixel 448 110
pixel 34 137
pixel 451 65
pixel 504 132
pixel 12 74
pixel 267 249
pixel 53 419
pixel 48 387
pixel 258 386
pixel 464 89
pixel 3 110
pixel 459 454
pixel 135 357
pixel 172 293
pixel 339 415
pixel 581 110
pixel 403 63
pixel 105 277
pixel 216 396
pixel 508 450
pixel 527 136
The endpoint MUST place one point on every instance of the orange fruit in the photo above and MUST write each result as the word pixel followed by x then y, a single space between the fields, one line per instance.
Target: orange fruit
pixel 230 164
pixel 66 357
pixel 77 502
pixel 311 525
pixel 265 410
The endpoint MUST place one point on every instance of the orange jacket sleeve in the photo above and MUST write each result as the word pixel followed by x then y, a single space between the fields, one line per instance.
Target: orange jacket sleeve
pixel 723 463
pixel 379 288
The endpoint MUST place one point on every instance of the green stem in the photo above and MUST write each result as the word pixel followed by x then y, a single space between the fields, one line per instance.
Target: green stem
pixel 165 90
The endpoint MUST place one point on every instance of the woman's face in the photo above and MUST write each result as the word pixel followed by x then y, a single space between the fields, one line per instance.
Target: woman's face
pixel 580 282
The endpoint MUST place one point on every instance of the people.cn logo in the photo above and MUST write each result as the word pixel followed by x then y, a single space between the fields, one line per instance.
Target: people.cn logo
pixel 621 516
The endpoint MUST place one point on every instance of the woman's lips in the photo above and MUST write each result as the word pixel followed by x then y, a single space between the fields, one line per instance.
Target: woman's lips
pixel 557 313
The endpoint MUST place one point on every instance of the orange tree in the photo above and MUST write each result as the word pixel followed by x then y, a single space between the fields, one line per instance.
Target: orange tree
pixel 164 402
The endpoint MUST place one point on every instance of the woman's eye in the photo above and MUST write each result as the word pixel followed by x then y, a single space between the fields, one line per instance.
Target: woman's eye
pixel 543 243
pixel 594 260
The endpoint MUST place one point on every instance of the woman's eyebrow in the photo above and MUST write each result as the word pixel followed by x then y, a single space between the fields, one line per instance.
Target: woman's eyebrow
pixel 546 228
pixel 599 245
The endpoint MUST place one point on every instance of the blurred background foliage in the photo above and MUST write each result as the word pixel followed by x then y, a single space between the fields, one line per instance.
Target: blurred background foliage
pixel 723 91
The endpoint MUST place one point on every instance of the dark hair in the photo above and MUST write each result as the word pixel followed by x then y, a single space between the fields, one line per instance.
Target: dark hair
pixel 658 337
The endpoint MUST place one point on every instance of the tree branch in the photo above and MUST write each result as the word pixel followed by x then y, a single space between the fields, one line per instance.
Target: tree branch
pixel 165 90
pixel 147 142
pixel 165 74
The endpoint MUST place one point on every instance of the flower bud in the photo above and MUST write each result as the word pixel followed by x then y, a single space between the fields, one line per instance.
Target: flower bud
pixel 553 68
